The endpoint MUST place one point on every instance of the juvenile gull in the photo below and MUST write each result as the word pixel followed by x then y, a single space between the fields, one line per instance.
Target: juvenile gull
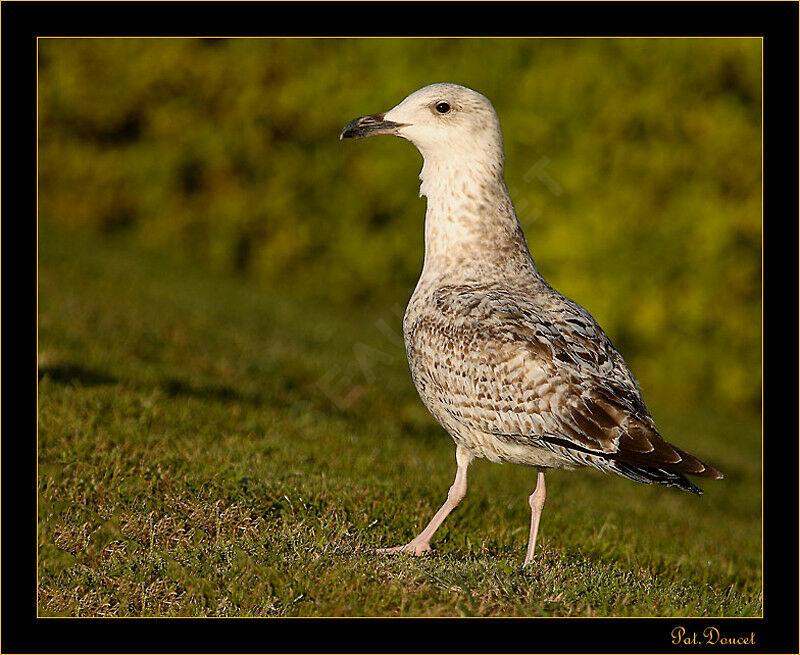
pixel 514 371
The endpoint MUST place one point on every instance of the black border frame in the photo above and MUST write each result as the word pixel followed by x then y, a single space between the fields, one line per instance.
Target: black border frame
pixel 23 22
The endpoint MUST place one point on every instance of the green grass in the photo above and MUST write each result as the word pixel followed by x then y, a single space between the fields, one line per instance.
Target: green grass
pixel 210 448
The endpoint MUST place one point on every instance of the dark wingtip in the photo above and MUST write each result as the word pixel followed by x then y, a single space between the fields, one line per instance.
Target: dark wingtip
pixel 691 488
pixel 683 483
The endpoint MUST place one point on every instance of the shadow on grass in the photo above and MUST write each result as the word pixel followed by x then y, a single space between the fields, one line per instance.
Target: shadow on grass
pixel 76 374
pixel 173 387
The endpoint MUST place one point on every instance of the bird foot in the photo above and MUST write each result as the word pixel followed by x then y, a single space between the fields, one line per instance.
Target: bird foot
pixel 412 548
pixel 528 560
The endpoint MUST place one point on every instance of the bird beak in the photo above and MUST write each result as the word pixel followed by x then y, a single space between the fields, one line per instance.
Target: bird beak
pixel 358 128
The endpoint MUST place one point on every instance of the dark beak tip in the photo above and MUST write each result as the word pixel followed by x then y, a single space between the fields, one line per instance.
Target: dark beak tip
pixel 351 130
pixel 364 126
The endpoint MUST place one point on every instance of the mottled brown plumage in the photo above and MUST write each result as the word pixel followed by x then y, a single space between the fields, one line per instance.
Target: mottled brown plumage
pixel 514 371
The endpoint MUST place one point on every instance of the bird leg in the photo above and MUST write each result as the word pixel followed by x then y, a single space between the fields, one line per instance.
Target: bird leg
pixel 422 542
pixel 536 501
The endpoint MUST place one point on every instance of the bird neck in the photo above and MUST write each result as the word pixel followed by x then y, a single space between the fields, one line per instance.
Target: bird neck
pixel 471 230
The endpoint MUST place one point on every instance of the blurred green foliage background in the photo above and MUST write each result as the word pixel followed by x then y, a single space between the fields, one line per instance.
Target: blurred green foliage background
pixel 634 164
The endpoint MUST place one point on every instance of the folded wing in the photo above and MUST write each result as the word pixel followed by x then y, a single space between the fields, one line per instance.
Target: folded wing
pixel 542 372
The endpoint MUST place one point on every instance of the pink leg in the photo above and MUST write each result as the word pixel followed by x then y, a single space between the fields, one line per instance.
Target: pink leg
pixel 422 542
pixel 536 501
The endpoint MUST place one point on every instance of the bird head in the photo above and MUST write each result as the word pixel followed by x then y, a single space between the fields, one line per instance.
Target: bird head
pixel 444 120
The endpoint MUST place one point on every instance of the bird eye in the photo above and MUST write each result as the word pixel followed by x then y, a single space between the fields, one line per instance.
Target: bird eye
pixel 442 107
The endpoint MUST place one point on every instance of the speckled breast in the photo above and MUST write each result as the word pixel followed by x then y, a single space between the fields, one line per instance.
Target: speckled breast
pixel 442 358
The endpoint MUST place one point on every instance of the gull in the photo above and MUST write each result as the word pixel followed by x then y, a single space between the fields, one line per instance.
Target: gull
pixel 511 369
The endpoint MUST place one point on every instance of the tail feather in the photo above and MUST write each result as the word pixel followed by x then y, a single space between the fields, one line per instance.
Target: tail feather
pixel 651 475
pixel 639 466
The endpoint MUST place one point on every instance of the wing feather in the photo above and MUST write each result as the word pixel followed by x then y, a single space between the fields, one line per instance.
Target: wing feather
pixel 529 369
